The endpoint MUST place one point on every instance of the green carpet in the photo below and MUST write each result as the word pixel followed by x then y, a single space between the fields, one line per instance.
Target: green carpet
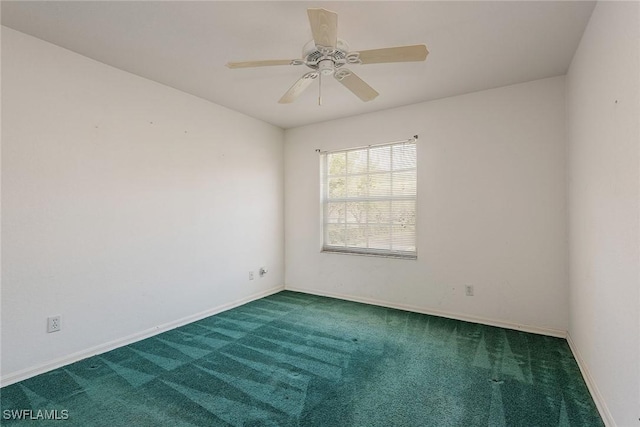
pixel 293 359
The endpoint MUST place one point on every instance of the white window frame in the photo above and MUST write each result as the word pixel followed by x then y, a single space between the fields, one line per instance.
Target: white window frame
pixel 352 250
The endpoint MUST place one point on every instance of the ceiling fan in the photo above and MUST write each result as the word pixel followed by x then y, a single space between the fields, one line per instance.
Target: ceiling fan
pixel 327 55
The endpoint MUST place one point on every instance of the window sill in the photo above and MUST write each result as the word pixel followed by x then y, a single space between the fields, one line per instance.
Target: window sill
pixel 413 257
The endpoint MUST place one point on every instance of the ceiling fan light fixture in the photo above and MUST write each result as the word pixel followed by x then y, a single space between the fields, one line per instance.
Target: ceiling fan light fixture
pixel 326 67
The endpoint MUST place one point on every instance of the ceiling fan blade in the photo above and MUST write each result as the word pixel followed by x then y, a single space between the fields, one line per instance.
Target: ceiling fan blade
pixel 324 26
pixel 298 87
pixel 416 52
pixel 267 63
pixel 355 84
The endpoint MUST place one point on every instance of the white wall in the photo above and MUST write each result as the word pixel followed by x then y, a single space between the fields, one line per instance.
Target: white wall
pixel 126 204
pixel 491 208
pixel 603 104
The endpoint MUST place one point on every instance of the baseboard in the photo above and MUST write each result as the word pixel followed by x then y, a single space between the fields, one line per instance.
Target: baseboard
pixel 606 416
pixel 103 348
pixel 457 316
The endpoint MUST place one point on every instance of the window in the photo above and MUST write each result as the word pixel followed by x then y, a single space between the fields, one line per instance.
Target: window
pixel 369 200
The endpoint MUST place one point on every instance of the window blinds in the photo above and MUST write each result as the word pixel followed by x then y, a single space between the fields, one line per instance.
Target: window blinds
pixel 369 200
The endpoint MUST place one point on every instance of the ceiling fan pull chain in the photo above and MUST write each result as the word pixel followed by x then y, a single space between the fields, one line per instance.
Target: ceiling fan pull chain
pixel 320 89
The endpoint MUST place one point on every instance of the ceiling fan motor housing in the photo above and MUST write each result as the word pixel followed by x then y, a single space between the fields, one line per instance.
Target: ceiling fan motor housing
pixel 325 59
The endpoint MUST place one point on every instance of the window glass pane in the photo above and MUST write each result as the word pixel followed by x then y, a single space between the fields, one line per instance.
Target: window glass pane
pixel 357 212
pixel 379 237
pixel 379 212
pixel 356 236
pixel 404 156
pixel 357 161
pixel 335 212
pixel 336 235
pixel 403 212
pixel 337 163
pixel 404 237
pixel 336 188
pixel 380 159
pixel 357 186
pixel 404 183
pixel 380 184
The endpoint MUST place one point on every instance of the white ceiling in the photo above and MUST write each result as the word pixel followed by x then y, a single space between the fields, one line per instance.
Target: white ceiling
pixel 473 46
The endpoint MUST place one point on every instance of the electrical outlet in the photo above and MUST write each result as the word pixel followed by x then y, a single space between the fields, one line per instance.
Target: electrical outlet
pixel 251 275
pixel 263 271
pixel 468 290
pixel 53 324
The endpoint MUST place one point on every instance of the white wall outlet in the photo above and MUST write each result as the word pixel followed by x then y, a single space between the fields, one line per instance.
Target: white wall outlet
pixel 53 324
pixel 251 275
pixel 468 290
